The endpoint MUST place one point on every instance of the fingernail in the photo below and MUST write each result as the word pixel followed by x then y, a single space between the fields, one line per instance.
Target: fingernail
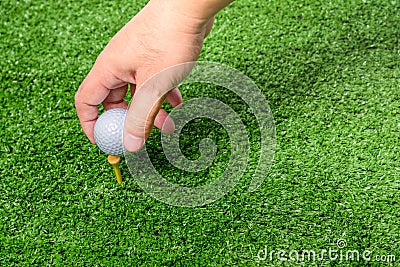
pixel 133 143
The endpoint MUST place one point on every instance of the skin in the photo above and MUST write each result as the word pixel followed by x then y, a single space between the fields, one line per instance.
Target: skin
pixel 163 34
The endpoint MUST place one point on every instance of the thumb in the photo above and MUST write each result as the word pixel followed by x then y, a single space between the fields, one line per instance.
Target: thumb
pixel 140 118
pixel 146 104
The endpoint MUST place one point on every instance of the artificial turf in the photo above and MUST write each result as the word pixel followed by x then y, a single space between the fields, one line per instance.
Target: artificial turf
pixel 330 72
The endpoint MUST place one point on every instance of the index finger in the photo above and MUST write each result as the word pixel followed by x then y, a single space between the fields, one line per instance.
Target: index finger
pixel 90 94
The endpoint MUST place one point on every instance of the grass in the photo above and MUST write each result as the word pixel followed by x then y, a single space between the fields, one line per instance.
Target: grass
pixel 330 72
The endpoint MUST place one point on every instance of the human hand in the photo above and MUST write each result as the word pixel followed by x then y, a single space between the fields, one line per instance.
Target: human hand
pixel 158 37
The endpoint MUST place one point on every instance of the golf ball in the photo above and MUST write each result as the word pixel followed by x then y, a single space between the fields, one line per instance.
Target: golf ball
pixel 108 131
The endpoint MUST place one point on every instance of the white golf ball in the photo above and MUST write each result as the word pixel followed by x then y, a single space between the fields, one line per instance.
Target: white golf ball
pixel 108 131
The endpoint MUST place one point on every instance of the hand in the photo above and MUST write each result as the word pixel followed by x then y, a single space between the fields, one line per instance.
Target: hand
pixel 156 38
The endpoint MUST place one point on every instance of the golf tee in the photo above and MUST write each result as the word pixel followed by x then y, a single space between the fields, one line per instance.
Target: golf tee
pixel 114 161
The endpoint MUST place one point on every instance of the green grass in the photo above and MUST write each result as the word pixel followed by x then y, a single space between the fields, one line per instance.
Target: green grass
pixel 330 72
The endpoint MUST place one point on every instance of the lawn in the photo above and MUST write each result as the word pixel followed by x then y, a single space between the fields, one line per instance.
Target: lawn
pixel 331 75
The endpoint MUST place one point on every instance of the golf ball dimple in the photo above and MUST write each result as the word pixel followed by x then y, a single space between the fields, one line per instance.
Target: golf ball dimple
pixel 108 131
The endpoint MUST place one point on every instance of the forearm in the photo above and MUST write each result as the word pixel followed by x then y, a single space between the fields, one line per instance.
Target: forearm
pixel 202 10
